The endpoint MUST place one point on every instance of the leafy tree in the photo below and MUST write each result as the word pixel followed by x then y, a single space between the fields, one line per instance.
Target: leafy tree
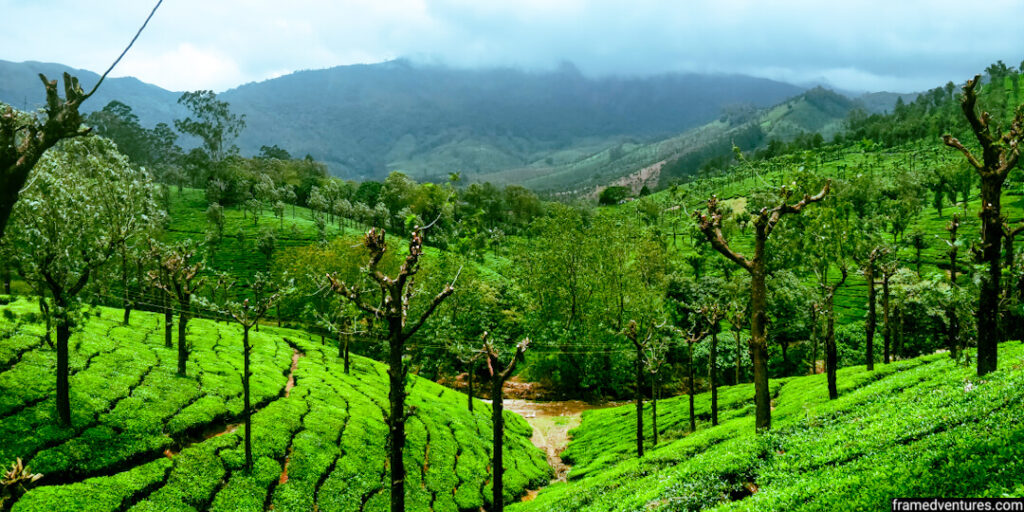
pixel 711 226
pixel 117 122
pixel 613 195
pixel 266 243
pixel 82 204
pixel 269 152
pixel 1000 153
pixel 213 123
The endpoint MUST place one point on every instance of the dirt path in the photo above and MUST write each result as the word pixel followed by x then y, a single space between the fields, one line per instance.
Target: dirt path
pixel 551 422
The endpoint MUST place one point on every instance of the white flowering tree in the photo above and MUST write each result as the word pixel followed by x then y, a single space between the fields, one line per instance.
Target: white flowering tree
pixel 83 201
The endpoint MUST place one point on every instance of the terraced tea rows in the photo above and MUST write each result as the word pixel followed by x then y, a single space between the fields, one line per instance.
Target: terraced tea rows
pixel 955 435
pixel 145 439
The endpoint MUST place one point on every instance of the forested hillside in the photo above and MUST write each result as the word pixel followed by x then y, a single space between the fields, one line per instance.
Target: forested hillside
pixel 429 120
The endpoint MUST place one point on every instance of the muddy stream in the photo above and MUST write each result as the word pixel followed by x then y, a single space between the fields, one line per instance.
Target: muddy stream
pixel 551 422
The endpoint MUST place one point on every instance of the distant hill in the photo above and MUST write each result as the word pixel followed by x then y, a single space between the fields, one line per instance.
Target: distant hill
pixel 882 102
pixel 367 120
pixel 635 164
pixel 20 87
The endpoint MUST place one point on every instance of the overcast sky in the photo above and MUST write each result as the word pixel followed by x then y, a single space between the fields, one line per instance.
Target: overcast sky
pixel 891 45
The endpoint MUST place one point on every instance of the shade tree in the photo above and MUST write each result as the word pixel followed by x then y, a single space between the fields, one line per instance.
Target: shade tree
pixel 262 293
pixel 767 219
pixel 1000 152
pixel 83 203
pixel 500 371
pixel 178 275
pixel 392 305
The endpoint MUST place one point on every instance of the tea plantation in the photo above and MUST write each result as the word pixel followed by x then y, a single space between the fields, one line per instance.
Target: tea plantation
pixel 919 427
pixel 145 439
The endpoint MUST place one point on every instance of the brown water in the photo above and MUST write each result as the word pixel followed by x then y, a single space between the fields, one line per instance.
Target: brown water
pixel 551 422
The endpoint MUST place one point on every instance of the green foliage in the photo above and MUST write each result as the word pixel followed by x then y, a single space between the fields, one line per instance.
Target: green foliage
pixel 129 406
pixel 214 123
pixel 613 195
pixel 926 424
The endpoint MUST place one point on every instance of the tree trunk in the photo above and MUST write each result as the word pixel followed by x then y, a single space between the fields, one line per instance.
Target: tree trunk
pixel 713 374
pixel 953 327
pixel 739 355
pixel 168 323
pixel 693 418
pixel 7 279
pixel 396 416
pixel 469 397
pixel 785 356
pixel 124 286
pixel 246 407
pixel 182 342
pixel 988 303
pixel 348 366
pixel 44 308
pixel 654 409
pixel 869 346
pixel 497 464
pixel 759 347
pixel 814 340
pixel 831 357
pixel 639 404
pixel 886 325
pixel 63 387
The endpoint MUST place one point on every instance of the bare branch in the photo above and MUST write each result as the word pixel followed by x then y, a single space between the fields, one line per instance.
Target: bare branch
pixel 119 57
pixel 430 310
pixel 783 209
pixel 953 142
pixel 344 290
pixel 711 225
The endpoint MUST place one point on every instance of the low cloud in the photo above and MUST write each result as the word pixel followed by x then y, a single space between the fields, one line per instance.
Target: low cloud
pixel 191 44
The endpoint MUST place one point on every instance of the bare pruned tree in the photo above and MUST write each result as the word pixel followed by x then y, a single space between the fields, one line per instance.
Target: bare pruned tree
pixel 710 224
pixel 828 290
pixel 640 344
pixel 1000 153
pixel 393 306
pixel 177 274
pixel 499 373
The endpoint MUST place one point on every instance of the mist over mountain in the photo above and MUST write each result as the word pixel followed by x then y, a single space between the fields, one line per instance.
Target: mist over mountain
pixel 367 120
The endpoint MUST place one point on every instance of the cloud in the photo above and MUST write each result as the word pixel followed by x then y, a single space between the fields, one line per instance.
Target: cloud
pixel 184 68
pixel 872 44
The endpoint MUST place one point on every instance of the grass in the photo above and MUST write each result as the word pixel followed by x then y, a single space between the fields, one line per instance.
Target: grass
pixel 328 430
pixel 919 427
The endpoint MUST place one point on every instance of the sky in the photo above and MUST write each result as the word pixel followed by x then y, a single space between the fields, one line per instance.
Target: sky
pixel 893 45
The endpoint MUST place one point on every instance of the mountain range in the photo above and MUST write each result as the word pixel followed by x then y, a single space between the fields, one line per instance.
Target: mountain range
pixel 503 125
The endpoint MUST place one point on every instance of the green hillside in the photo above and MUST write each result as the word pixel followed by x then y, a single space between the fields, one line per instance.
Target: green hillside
pixel 144 439
pixel 954 435
pixel 817 111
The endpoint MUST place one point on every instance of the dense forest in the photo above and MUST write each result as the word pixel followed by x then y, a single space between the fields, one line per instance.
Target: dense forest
pixel 197 330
